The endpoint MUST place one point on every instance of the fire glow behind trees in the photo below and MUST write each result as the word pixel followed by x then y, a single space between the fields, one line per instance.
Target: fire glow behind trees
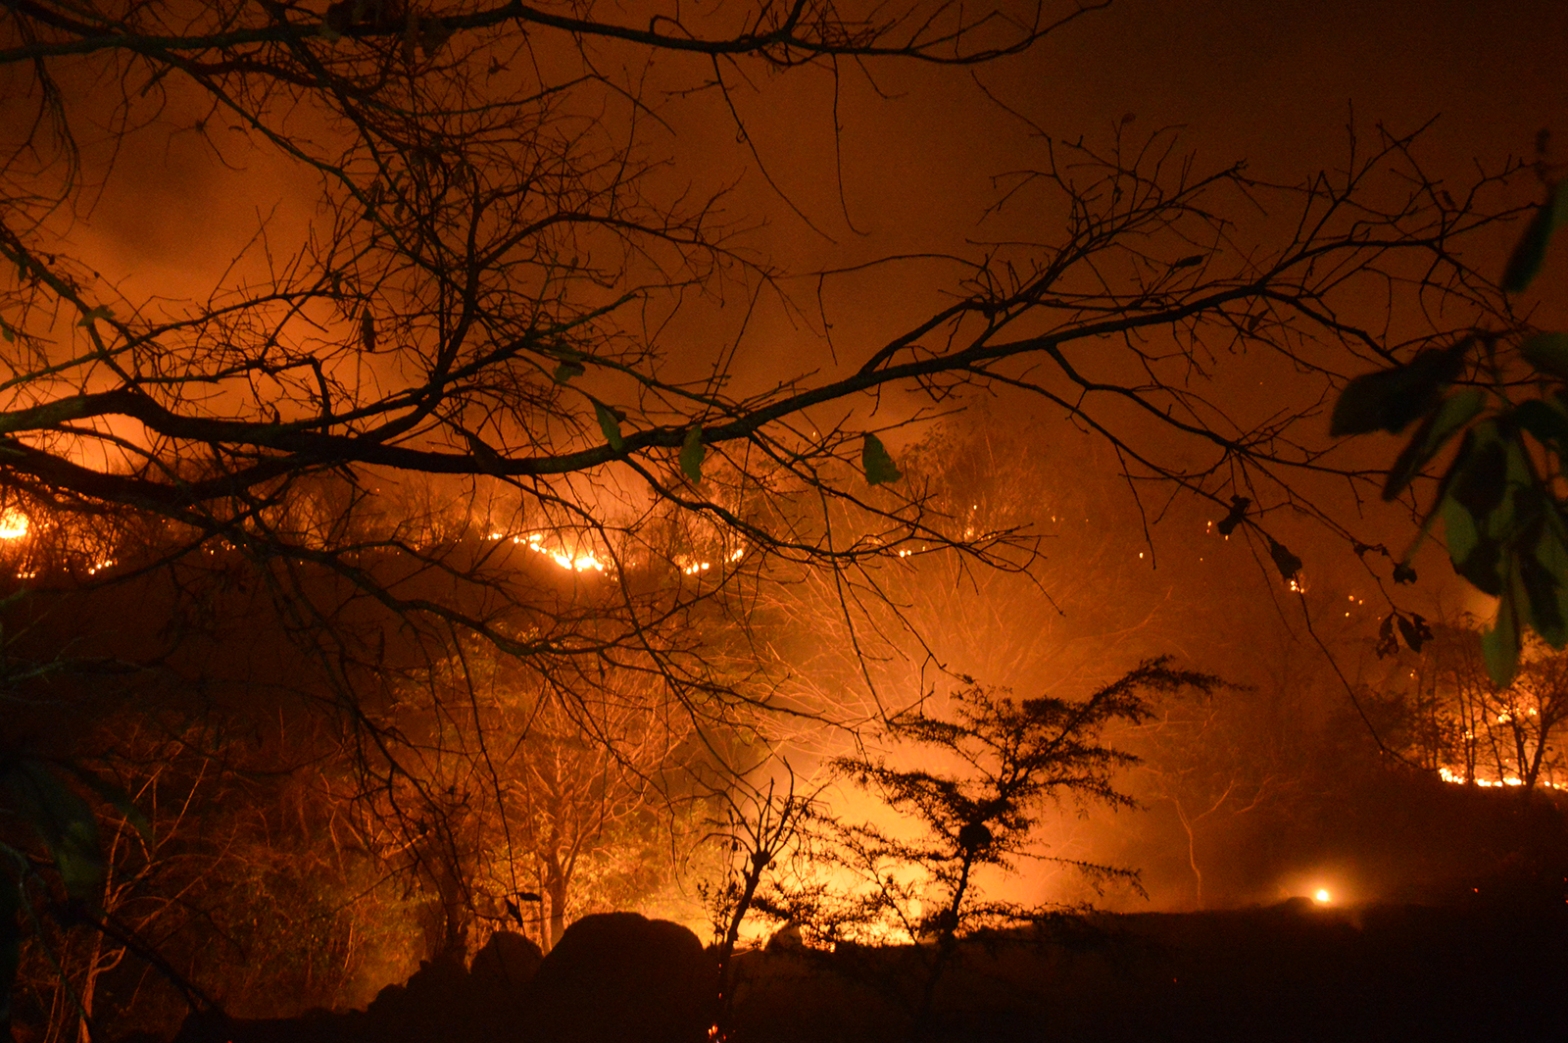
pixel 522 366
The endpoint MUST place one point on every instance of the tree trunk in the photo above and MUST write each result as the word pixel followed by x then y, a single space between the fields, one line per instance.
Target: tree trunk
pixel 555 886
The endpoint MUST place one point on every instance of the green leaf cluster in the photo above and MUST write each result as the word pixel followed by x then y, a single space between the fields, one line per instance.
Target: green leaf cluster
pixel 877 463
pixel 1505 525
pixel 610 424
pixel 37 795
pixel 692 453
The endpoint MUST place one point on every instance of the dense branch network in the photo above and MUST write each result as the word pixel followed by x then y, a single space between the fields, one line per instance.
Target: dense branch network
pixel 487 294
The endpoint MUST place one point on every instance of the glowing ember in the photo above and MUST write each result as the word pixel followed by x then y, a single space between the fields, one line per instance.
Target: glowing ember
pixel 13 524
pixel 1321 896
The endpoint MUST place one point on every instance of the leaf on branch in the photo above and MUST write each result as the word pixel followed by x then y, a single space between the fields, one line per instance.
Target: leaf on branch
pixel 93 314
pixel 1415 630
pixel 1287 563
pixel 1500 645
pixel 876 462
pixel 1403 573
pixel 1440 425
pixel 7 332
pixel 1190 261
pixel 1547 352
pixel 367 329
pixel 114 795
pixel 487 458
pixel 1525 262
pixel 340 17
pixel 692 453
pixel 1543 419
pixel 63 821
pixel 610 423
pixel 1483 480
pixel 567 370
pixel 1542 591
pixel 1238 511
pixel 1390 399
pixel 411 37
pixel 1387 643
pixel 1464 544
pixel 1483 566
pixel 433 36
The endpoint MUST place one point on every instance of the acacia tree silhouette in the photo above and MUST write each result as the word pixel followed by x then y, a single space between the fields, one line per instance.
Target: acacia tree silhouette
pixel 1012 760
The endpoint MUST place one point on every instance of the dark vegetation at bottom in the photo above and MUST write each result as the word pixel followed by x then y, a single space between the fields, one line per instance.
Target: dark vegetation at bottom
pixel 1291 972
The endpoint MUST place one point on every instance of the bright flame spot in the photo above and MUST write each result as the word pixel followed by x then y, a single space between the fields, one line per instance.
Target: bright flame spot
pixel 577 562
pixel 573 561
pixel 13 524
pixel 1321 896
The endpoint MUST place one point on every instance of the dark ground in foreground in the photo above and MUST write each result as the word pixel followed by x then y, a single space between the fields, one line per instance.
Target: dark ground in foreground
pixel 1291 972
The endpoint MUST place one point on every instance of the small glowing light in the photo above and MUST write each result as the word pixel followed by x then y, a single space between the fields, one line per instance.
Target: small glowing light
pixel 1321 896
pixel 13 524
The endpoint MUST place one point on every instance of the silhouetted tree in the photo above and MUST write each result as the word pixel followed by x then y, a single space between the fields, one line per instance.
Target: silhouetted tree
pixel 1011 760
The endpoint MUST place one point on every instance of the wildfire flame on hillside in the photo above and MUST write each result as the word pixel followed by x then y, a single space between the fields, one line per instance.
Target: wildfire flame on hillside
pixel 13 524
pixel 574 561
pixel 1457 778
